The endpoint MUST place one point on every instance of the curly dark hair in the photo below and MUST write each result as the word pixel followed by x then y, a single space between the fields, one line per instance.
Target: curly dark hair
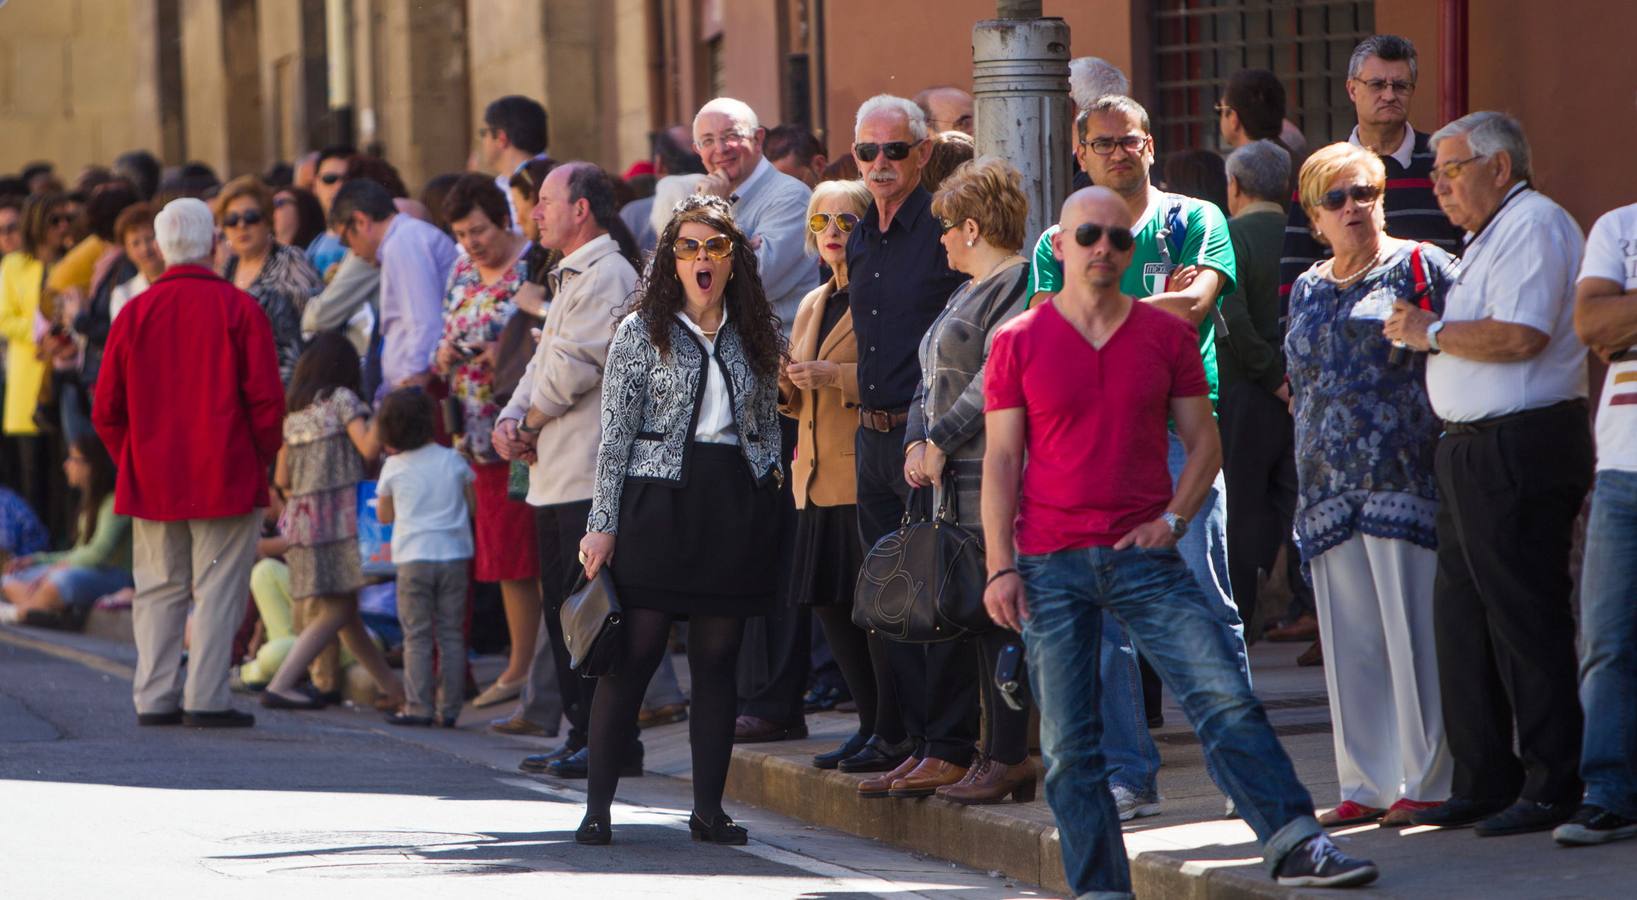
pixel 660 295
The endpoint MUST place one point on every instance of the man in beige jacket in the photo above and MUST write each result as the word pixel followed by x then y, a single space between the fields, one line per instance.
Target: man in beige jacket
pixel 554 423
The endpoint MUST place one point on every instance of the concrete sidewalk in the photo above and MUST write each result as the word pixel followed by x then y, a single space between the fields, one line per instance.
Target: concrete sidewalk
pixel 1188 850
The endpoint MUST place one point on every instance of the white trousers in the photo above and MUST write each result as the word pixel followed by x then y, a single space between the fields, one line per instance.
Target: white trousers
pixel 1381 668
pixel 203 561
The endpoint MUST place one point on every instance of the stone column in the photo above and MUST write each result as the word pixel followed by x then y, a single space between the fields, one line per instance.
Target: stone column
pixel 1020 86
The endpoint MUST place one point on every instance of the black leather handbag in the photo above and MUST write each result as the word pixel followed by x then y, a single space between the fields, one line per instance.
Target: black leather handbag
pixel 592 625
pixel 924 582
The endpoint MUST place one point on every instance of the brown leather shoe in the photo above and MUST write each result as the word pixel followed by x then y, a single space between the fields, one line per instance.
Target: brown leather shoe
pixel 663 715
pixel 1305 628
pixel 931 774
pixel 991 782
pixel 518 725
pixel 756 730
pixel 881 784
pixel 1312 656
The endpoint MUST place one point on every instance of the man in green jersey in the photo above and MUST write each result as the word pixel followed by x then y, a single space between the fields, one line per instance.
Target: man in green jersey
pixel 1182 262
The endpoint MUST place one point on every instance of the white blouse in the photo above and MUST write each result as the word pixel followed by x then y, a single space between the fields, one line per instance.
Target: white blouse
pixel 715 423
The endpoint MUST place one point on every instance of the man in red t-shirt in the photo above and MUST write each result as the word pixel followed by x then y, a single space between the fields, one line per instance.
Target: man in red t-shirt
pixel 1079 517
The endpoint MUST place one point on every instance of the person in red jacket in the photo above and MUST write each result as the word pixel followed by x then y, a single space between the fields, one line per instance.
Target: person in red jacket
pixel 189 404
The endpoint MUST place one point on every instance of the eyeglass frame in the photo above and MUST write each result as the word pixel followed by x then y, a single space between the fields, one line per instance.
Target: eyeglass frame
pixel 837 218
pixel 1091 145
pixel 737 136
pixel 1442 173
pixel 249 218
pixel 1380 85
pixel 1088 234
pixel 701 247
pixel 1342 195
pixel 879 148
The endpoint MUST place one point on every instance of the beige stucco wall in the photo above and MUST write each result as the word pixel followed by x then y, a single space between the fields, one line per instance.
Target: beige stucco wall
pixel 72 86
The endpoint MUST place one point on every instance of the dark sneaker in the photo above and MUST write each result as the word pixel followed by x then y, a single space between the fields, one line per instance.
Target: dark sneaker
pixel 1594 825
pixel 1318 862
pixel 1525 816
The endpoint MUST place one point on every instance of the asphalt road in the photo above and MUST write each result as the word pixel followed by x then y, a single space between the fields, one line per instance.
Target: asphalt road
pixel 339 805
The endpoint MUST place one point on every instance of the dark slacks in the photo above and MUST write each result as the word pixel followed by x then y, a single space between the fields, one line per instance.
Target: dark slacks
pixel 559 528
pixel 1259 468
pixel 933 685
pixel 1501 616
pixel 776 654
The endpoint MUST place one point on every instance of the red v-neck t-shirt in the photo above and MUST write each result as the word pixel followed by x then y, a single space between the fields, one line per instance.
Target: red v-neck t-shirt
pixel 1094 421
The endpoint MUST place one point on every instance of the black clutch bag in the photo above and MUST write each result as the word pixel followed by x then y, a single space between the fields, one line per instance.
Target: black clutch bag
pixel 924 582
pixel 592 623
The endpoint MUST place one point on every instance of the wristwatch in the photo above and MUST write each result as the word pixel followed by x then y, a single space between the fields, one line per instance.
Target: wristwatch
pixel 523 426
pixel 1178 524
pixel 1432 336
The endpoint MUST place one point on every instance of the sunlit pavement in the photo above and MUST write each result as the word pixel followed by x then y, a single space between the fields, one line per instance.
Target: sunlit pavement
pixel 338 805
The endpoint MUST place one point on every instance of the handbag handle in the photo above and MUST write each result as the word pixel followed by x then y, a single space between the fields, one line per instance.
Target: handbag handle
pixel 948 505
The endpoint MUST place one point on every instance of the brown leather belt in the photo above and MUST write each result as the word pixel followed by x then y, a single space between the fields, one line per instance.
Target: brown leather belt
pixel 881 419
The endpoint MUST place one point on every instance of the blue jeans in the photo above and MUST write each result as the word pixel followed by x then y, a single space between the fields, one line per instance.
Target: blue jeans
pixel 1152 593
pixel 1608 645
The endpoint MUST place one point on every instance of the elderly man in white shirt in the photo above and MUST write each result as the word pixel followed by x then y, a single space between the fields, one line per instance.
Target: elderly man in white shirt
pixel 768 205
pixel 1507 374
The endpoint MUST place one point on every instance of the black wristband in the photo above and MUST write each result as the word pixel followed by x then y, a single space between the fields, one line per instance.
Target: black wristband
pixel 999 575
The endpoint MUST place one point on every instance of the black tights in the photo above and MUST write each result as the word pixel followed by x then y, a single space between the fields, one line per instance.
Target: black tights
pixel 713 653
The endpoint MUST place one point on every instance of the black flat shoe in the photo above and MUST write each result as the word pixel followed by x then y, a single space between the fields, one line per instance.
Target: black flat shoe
pixel 279 701
pixel 1459 812
pixel 398 718
pixel 878 756
pixel 174 717
pixel 594 830
pixel 328 698
pixel 721 830
pixel 226 718
pixel 834 757
pixel 1526 816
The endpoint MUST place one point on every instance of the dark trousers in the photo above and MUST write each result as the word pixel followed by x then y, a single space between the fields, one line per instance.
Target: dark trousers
pixel 1005 730
pixel 777 650
pixel 559 528
pixel 1501 617
pixel 933 685
pixel 1259 468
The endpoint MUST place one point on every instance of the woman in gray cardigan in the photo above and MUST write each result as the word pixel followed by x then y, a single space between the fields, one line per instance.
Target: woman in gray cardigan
pixel 981 208
pixel 688 487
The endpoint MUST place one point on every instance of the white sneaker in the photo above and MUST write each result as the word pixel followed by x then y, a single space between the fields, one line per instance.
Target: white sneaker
pixel 1130 805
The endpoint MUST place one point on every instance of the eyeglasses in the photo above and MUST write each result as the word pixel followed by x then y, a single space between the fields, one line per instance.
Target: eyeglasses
pixel 1362 194
pixel 484 132
pixel 726 139
pixel 1089 233
pixel 247 218
pixel 281 202
pixel 718 247
pixel 944 225
pixel 1131 143
pixel 894 150
pixel 1450 170
pixel 817 223
pixel 1223 109
pixel 59 219
pixel 331 178
pixel 1378 85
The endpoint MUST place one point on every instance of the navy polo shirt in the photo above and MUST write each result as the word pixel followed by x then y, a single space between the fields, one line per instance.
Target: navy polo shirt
pixel 898 281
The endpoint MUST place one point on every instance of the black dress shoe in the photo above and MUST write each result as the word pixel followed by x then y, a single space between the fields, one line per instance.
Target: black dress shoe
pixel 1459 812
pixel 834 757
pixel 1525 816
pixel 594 830
pixel 720 830
pixel 540 763
pixel 174 717
pixel 757 730
pixel 272 700
pixel 328 698
pixel 226 718
pixel 878 756
pixel 398 718
pixel 578 765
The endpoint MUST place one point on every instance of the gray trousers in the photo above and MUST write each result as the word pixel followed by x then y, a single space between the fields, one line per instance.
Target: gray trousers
pixel 432 609
pixel 207 562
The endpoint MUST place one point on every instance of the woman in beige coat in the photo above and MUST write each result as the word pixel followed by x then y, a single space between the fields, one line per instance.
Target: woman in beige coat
pixel 819 389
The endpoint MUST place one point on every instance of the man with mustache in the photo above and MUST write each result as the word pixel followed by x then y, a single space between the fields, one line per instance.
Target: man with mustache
pixel 899 280
pixel 1182 262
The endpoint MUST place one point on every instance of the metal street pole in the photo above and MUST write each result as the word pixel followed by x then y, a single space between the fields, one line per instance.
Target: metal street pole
pixel 1020 89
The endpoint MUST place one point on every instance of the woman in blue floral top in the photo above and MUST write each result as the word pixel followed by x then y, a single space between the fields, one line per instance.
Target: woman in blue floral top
pixel 479 302
pixel 1367 500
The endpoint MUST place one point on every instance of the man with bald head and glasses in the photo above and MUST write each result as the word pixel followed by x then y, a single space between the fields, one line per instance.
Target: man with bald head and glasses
pixel 1081 524
pixel 1182 262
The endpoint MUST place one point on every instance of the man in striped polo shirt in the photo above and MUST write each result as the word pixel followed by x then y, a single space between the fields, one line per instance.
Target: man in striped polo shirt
pixel 1381 82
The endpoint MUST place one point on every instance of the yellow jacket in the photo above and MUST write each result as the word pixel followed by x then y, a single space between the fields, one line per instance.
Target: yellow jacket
pixel 20 278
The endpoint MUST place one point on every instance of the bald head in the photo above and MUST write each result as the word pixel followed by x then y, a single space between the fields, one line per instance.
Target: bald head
pixel 1100 264
pixel 947 108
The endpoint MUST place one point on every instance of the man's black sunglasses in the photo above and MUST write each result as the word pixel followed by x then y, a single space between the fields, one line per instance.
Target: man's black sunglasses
pixel 895 150
pixel 1088 234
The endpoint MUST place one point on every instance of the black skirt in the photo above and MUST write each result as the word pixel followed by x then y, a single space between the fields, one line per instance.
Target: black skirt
pixel 706 548
pixel 828 554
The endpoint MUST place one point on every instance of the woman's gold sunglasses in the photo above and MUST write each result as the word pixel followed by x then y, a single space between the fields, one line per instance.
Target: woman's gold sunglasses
pixel 718 247
pixel 818 222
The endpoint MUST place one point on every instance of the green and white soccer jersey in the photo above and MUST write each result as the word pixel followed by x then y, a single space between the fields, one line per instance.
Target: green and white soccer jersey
pixel 1176 231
